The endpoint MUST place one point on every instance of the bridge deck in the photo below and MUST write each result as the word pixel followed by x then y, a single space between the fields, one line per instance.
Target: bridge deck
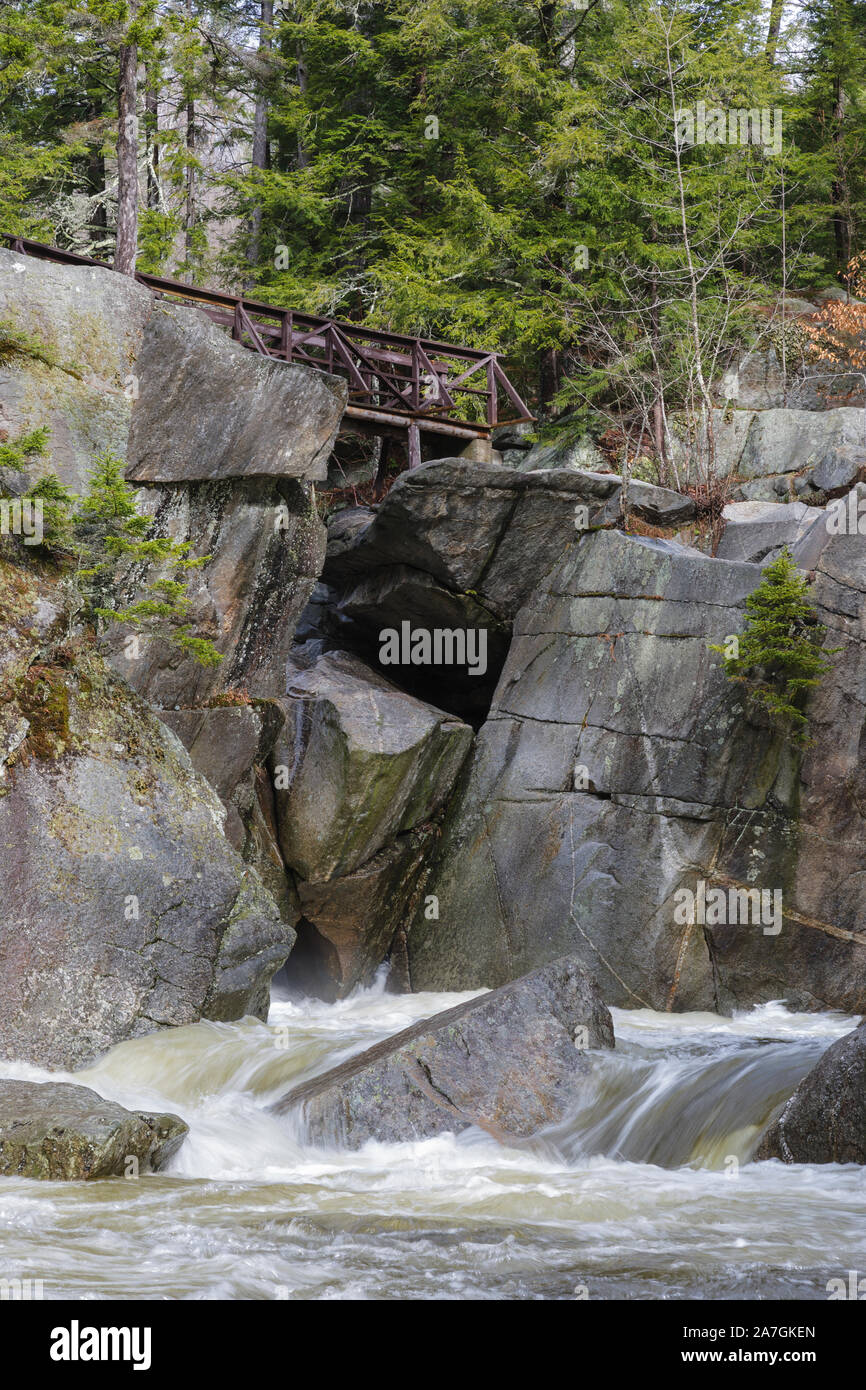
pixel 398 385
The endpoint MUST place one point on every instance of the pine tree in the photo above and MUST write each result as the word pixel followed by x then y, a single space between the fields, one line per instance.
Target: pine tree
pixel 780 657
pixel 101 541
pixel 110 538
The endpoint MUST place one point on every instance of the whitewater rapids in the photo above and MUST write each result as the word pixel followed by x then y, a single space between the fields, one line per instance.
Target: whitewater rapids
pixel 646 1192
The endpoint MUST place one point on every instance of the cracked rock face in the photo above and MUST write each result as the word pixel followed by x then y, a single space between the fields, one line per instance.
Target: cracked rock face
pixel 825 1119
pixel 55 1131
pixel 123 908
pixel 511 1062
pixel 108 366
pixel 359 770
pixel 618 766
pixel 247 596
pixel 457 545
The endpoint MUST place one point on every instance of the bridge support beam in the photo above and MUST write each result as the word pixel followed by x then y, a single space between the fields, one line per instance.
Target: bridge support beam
pixel 414 433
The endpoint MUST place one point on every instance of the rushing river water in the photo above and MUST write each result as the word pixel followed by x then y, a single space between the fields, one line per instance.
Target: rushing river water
pixel 644 1193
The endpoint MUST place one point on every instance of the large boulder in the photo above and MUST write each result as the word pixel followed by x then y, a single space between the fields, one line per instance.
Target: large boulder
pixel 363 763
pixel 107 366
pixel 825 1119
pixel 754 529
pixel 226 743
pixel 263 545
pixel 125 909
pixel 209 408
pixel 360 771
pixel 567 452
pixel 618 767
pixel 786 441
pixel 512 1062
pixel 461 546
pixel 56 1131
pixel 486 530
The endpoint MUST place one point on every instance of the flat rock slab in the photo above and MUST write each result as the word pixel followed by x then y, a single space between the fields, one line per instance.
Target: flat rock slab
pixel 754 529
pixel 511 1061
pixel 825 1119
pixel 57 1131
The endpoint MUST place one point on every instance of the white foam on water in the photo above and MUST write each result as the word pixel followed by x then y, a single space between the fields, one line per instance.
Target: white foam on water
pixel 630 1196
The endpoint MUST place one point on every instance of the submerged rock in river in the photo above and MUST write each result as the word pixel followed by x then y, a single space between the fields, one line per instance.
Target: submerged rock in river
pixel 57 1131
pixel 511 1061
pixel 825 1119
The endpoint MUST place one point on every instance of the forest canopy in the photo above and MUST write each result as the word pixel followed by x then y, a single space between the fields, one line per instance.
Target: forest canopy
pixel 601 189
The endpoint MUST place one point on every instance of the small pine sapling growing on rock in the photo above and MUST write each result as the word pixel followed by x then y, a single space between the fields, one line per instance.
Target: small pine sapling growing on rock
pixel 99 538
pixel 110 535
pixel 780 657
pixel 15 454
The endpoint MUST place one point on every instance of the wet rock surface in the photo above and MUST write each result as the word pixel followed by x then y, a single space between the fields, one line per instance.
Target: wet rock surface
pixel 825 1119
pixel 511 1061
pixel 60 1132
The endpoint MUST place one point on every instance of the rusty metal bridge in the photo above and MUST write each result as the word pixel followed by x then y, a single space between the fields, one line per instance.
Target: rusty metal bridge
pixel 399 387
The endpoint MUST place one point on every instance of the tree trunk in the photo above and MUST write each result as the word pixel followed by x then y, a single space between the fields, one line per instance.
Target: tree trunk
pixel 303 83
pixel 96 188
pixel 840 193
pixel 776 8
pixel 190 216
pixel 549 379
pixel 151 106
pixel 127 158
pixel 260 126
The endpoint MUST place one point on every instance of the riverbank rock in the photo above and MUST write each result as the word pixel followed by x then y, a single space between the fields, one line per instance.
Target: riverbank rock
pixel 458 546
pixel 360 772
pixel 60 1132
pixel 619 767
pixel 124 907
pixel 511 1061
pixel 825 1119
pixel 107 366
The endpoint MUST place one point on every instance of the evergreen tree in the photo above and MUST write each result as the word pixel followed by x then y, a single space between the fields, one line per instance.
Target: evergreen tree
pixel 113 551
pixel 101 541
pixel 780 656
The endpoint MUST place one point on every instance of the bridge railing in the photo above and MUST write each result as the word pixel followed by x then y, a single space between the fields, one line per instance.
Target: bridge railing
pixel 394 380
